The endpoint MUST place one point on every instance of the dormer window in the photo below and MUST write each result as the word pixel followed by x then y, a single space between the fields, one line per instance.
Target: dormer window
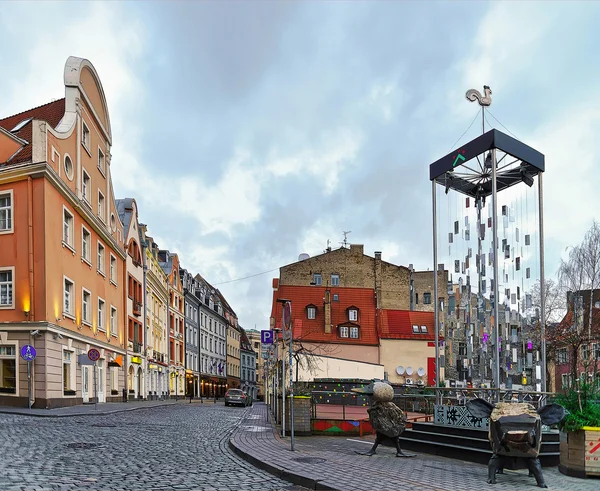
pixel 311 311
pixel 343 331
pixel 415 329
pixel 353 314
pixel 354 332
pixel 423 329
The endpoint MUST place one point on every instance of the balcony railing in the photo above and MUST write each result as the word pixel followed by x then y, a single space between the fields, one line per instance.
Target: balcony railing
pixel 137 347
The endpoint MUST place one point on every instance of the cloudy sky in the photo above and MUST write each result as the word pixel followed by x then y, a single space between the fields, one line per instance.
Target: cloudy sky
pixel 249 132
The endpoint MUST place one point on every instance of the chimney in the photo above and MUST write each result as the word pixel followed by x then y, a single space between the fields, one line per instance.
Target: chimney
pixel 357 249
pixel 378 255
pixel 327 310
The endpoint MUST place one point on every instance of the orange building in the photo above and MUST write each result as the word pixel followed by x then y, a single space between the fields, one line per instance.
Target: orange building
pixel 62 259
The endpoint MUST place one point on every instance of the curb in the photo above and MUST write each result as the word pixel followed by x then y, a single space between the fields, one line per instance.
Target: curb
pixel 25 412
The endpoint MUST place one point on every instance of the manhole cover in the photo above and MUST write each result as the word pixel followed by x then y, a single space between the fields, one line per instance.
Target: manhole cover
pixel 82 445
pixel 104 425
pixel 310 460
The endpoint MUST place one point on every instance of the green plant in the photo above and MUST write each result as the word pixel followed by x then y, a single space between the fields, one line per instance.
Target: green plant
pixel 302 389
pixel 582 405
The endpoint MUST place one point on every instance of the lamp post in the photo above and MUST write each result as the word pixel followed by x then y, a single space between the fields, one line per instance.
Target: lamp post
pixel 286 324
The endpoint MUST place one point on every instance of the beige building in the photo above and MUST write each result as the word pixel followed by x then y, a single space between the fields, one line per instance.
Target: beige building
pixel 255 341
pixel 233 355
pixel 157 330
pixel 328 367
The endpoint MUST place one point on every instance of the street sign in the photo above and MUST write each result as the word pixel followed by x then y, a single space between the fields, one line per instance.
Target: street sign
pixel 287 315
pixel 266 337
pixel 28 352
pixel 94 354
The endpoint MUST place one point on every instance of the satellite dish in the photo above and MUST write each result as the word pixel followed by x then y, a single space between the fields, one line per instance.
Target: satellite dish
pixel 409 371
pixel 421 372
pixel 400 370
pixel 303 256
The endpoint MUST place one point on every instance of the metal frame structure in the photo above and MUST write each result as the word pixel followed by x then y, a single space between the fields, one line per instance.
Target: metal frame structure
pixel 475 170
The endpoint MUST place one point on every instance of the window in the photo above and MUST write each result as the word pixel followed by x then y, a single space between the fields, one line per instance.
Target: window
pixel 86 307
pixel 86 186
pixel 86 239
pixel 343 331
pixel 424 329
pixel 101 205
pixel 335 280
pixel 427 298
pixel 336 297
pixel 311 312
pixel 8 369
pixel 101 319
pixel 415 328
pixel 317 279
pixel 7 288
pixel 68 227
pixel 566 380
pixel 353 314
pixel 68 297
pixel 85 135
pixel 596 351
pixel 462 349
pixel 113 269
pixel 68 164
pixel 113 321
pixel 585 352
pixel 354 332
pixel 6 212
pixel 67 373
pixel 101 258
pixel 417 298
pixel 101 161
pixel 562 356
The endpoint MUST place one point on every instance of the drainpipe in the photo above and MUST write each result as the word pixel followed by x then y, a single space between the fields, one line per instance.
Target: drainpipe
pixel 30 244
pixel 145 321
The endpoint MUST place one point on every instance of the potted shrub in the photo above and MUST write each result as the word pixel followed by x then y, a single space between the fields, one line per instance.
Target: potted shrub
pixel 580 431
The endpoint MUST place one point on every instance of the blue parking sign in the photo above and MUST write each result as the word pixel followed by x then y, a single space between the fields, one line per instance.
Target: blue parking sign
pixel 266 337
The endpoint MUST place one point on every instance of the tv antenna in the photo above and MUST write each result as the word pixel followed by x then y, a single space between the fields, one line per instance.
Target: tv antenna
pixel 345 243
pixel 328 248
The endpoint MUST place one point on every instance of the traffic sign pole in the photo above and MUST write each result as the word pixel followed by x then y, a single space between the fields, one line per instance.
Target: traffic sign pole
pixel 29 382
pixel 28 354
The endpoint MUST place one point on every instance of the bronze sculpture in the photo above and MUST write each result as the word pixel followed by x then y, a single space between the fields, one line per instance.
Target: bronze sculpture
pixel 516 431
pixel 387 419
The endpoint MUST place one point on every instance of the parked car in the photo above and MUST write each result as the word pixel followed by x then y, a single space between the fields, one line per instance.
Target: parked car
pixel 235 397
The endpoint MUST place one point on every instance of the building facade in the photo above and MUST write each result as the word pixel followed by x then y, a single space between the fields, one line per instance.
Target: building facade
pixel 134 299
pixel 192 334
pixel 213 341
pixel 233 347
pixel 248 365
pixel 169 263
pixel 156 328
pixel 255 342
pixel 62 265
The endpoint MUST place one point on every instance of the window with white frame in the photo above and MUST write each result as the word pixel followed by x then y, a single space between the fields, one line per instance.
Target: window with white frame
pixel 335 280
pixel 562 356
pixel 86 306
pixel 113 269
pixel 85 135
pixel 68 369
pixel 86 186
pixel 101 205
pixel 68 165
pixel 353 314
pixel 86 243
pixel 311 312
pixel 6 211
pixel 101 258
pixel 8 369
pixel 113 321
pixel 101 160
pixel 354 332
pixel 317 279
pixel 7 278
pixel 101 315
pixel 343 331
pixel 68 222
pixel 68 296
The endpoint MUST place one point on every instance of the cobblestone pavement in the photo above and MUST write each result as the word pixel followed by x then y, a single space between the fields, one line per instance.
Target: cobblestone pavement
pixel 331 463
pixel 176 447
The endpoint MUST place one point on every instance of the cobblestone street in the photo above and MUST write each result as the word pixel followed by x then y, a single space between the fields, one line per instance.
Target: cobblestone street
pixel 174 447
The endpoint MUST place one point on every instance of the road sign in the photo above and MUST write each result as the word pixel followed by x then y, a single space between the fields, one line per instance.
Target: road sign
pixel 266 337
pixel 94 354
pixel 28 352
pixel 287 315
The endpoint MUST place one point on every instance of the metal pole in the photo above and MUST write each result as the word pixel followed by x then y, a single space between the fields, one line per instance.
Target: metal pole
pixel 480 301
pixel 95 387
pixel 282 387
pixel 29 383
pixel 542 281
pixel 291 391
pixel 495 289
pixel 276 385
pixel 436 313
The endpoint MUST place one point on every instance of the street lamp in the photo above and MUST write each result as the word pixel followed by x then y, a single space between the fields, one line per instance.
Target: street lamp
pixel 286 324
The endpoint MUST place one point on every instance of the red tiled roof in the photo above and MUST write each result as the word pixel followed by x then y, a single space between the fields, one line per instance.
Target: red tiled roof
pixel 313 330
pixel 398 324
pixel 52 112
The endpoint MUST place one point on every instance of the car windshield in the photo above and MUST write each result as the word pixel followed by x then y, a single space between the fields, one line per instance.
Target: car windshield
pixel 234 392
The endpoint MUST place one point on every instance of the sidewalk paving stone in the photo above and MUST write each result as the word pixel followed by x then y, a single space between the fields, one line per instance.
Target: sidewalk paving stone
pixel 323 462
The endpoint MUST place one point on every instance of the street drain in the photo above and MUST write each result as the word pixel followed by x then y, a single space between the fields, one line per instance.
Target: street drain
pixel 310 460
pixel 82 445
pixel 104 425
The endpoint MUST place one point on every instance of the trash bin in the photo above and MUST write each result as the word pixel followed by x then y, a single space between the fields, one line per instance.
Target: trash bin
pixel 124 395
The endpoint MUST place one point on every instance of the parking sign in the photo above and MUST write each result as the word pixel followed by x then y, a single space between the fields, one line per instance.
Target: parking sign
pixel 266 337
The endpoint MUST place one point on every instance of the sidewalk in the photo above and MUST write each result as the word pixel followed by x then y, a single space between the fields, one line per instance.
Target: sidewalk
pixel 330 463
pixel 99 409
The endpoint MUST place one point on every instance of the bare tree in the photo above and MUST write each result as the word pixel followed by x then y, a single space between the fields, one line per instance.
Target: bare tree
pixel 579 275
